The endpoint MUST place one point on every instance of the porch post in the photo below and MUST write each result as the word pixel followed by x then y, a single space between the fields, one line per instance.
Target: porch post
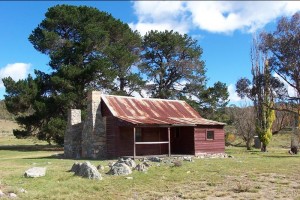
pixel 134 152
pixel 169 144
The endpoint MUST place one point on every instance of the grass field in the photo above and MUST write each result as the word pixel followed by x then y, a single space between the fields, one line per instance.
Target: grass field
pixel 248 175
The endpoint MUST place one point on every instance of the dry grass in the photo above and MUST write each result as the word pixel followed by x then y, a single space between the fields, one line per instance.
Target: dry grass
pixel 7 126
pixel 249 175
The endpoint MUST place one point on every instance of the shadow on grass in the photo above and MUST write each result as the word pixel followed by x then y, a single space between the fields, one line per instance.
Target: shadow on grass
pixel 31 148
pixel 54 156
pixel 61 156
pixel 281 156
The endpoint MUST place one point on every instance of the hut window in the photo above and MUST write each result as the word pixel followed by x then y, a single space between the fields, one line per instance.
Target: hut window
pixel 138 134
pixel 210 135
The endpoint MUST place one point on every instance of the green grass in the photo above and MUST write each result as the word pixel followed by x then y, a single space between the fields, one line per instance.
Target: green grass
pixel 249 175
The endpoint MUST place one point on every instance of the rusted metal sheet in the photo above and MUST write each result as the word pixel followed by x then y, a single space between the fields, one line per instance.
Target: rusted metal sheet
pixel 142 111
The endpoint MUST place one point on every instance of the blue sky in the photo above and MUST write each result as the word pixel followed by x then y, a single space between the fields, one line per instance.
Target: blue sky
pixel 223 29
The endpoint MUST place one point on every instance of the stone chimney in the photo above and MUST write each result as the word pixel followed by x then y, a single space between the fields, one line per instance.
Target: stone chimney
pixel 94 133
pixel 72 138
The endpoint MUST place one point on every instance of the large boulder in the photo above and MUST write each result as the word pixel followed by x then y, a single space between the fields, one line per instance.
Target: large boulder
pixel 128 162
pixel 120 169
pixel 35 172
pixel 87 170
pixel 76 168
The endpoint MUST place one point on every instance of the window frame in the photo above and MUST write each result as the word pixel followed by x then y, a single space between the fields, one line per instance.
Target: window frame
pixel 213 134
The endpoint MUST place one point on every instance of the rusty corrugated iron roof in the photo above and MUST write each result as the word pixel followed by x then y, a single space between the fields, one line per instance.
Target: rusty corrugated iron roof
pixel 146 111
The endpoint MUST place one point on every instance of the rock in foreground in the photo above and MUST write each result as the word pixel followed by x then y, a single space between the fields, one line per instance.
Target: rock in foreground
pixel 120 169
pixel 86 170
pixel 35 172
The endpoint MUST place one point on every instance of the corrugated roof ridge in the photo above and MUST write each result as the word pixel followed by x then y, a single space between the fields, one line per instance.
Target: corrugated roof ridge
pixel 142 98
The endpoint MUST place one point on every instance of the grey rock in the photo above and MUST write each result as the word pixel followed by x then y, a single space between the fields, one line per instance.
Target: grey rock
pixel 146 164
pixel 2 194
pixel 128 161
pixel 87 170
pixel 144 160
pixel 141 167
pixel 22 190
pixel 35 172
pixel 155 159
pixel 131 163
pixel 188 158
pixel 100 167
pixel 12 195
pixel 76 168
pixel 110 164
pixel 120 169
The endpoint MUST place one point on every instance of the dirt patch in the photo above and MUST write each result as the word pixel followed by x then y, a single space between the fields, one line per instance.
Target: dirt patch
pixel 250 186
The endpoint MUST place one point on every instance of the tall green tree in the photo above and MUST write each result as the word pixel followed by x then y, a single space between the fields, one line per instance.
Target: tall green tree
pixel 172 63
pixel 88 49
pixel 282 45
pixel 210 102
pixel 169 60
pixel 260 91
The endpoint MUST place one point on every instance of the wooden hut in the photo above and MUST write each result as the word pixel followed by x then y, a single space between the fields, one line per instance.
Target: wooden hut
pixel 127 126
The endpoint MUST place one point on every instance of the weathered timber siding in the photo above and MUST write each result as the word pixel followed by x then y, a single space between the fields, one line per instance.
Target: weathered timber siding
pixel 202 145
pixel 182 142
pixel 112 132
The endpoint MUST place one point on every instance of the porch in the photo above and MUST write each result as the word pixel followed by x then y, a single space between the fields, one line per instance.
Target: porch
pixel 140 142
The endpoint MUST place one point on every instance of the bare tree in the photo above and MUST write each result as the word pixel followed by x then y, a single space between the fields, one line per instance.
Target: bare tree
pixel 283 120
pixel 244 122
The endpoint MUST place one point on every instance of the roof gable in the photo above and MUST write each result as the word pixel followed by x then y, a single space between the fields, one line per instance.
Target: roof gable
pixel 137 107
pixel 154 111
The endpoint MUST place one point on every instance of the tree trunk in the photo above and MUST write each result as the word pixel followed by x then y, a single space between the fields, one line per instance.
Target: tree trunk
pixel 122 84
pixel 295 135
pixel 248 144
pixel 263 148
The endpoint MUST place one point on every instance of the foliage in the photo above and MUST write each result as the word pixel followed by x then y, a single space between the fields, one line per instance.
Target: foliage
pixel 230 138
pixel 172 63
pixel 88 49
pixel 169 60
pixel 261 91
pixel 283 47
pixel 243 121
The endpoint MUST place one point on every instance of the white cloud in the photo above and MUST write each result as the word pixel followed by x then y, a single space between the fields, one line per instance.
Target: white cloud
pixel 291 91
pixel 161 16
pixel 212 16
pixel 16 71
pixel 233 96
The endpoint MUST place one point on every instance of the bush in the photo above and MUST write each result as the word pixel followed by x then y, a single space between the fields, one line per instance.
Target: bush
pixel 230 138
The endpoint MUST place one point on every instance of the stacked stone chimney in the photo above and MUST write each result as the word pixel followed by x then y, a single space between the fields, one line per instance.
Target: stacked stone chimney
pixel 72 139
pixel 94 133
